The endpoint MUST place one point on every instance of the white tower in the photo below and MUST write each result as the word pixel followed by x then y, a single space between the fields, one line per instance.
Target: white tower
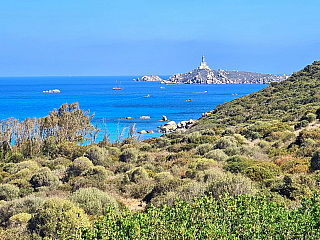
pixel 203 64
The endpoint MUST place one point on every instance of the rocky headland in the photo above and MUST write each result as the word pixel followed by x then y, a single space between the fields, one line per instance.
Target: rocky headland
pixel 205 75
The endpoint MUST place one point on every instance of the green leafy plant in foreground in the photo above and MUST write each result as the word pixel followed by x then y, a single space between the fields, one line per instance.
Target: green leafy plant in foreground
pixel 242 217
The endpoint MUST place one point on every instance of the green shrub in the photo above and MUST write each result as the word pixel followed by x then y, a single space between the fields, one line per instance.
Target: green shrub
pixel 96 173
pixel 226 142
pixel 10 168
pixel 145 157
pixel 122 168
pixel 203 164
pixel 211 175
pixel 263 144
pixel 216 154
pixel 23 205
pixel 237 164
pixel 163 176
pixel 98 156
pixel 20 219
pixel 62 161
pixel 310 117
pixel 9 192
pixel 137 174
pixel 231 184
pixel 198 138
pixel 145 147
pixel 69 150
pixel 163 187
pixel 257 173
pixel 58 216
pixel 129 155
pixel 16 158
pixel 93 201
pixel 114 151
pixel 44 178
pixel 31 165
pixel 78 166
pixel 22 174
pixel 204 148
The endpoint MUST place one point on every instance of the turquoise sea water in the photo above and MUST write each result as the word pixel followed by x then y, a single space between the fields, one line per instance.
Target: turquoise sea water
pixel 22 97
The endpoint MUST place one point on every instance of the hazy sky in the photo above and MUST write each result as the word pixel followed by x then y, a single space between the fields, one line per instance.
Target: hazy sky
pixel 161 37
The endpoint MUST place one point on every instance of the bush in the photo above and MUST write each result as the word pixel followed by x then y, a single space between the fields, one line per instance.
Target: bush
pixel 78 166
pixel 114 151
pixel 137 174
pixel 44 178
pixel 70 150
pixel 98 156
pixel 310 117
pixel 257 173
pixel 145 147
pixel 32 165
pixel 16 158
pixel 129 155
pixel 9 192
pixel 22 205
pixel 203 164
pixel 204 148
pixel 93 201
pixel 96 173
pixel 145 157
pixel 20 219
pixel 163 176
pixel 237 164
pixel 58 215
pixel 61 161
pixel 231 184
pixel 164 187
pixel 216 154
pixel 226 142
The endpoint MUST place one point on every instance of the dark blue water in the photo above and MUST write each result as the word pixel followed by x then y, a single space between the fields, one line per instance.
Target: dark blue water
pixel 22 97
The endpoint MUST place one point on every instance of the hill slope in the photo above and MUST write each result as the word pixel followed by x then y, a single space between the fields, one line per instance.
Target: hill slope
pixel 287 101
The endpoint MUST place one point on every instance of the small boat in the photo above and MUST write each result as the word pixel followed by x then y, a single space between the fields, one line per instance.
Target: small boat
pixel 162 87
pixel 148 95
pixel 118 88
pixel 234 94
pixel 205 91
pixel 188 100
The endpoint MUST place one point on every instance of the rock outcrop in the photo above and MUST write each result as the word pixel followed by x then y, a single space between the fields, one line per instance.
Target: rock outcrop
pixel 149 78
pixel 209 76
pixel 172 126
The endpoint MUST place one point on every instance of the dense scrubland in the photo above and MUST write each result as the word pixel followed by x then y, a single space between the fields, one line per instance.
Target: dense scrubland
pixel 249 170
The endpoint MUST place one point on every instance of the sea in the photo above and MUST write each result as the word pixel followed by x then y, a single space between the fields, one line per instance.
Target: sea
pixel 23 97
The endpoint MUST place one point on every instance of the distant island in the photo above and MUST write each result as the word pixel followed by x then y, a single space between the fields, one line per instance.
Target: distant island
pixel 205 75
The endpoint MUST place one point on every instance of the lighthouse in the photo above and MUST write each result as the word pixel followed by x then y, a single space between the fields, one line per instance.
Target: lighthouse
pixel 203 64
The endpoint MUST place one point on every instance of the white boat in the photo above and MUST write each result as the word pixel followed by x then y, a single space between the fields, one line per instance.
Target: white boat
pixel 118 88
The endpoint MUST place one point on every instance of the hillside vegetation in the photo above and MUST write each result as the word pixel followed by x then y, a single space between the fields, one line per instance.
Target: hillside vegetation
pixel 248 170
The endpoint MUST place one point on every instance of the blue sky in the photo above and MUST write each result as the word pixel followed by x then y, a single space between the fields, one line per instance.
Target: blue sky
pixel 161 37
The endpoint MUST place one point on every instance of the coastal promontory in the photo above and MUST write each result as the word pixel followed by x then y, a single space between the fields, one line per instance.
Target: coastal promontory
pixel 205 75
